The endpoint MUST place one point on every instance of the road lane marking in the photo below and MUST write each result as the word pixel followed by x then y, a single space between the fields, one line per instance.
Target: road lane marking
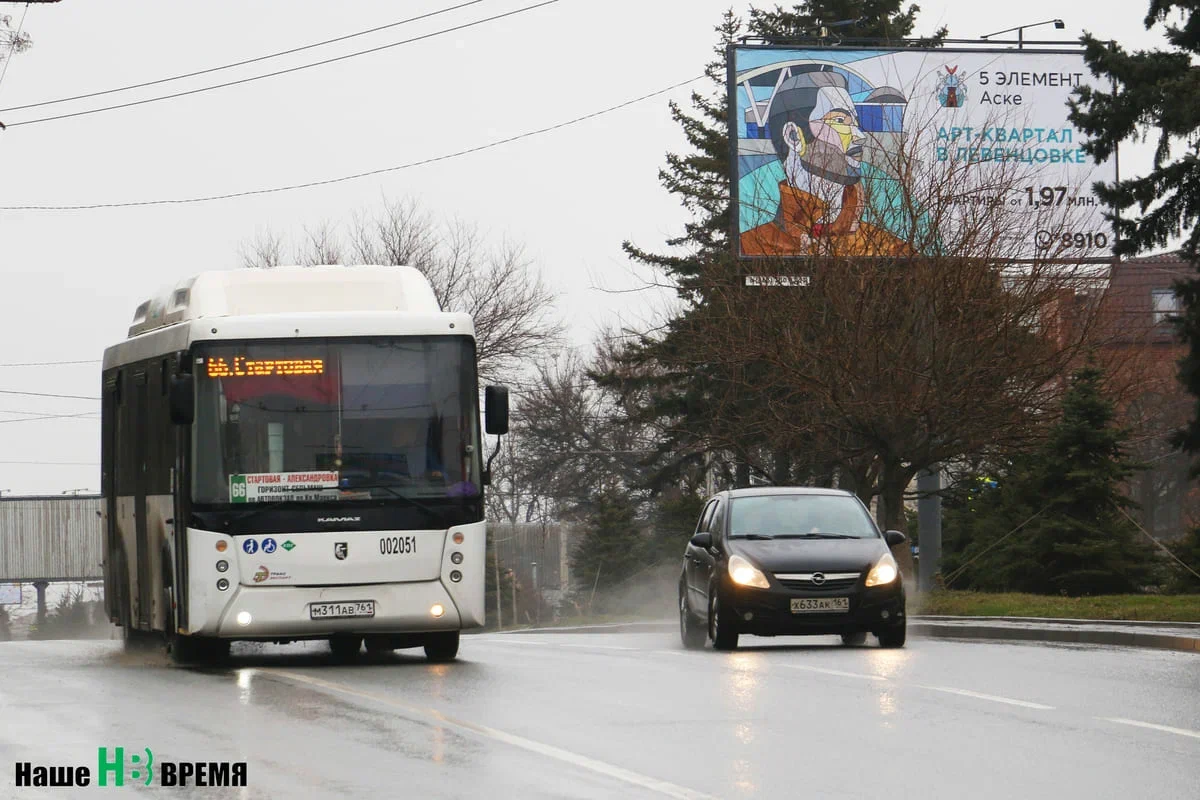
pixel 993 698
pixel 598 646
pixel 838 672
pixel 566 756
pixel 1152 726
pixel 857 675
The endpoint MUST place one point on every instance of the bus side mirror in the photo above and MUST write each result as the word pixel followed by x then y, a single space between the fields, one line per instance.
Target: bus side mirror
pixel 182 399
pixel 495 410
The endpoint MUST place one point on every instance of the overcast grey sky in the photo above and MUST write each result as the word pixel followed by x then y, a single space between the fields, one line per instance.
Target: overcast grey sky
pixel 70 280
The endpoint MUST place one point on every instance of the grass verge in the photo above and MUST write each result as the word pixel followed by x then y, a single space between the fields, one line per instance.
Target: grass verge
pixel 1143 607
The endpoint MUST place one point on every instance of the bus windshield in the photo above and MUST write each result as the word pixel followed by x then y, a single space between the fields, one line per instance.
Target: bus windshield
pixel 334 420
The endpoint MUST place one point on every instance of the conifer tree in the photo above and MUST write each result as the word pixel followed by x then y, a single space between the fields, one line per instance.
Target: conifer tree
pixel 1078 541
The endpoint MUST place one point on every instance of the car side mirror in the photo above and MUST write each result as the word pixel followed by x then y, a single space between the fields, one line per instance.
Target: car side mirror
pixel 702 540
pixel 182 399
pixel 495 410
pixel 895 538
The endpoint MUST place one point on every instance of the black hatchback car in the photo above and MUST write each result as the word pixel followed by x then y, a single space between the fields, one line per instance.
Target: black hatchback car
pixel 790 561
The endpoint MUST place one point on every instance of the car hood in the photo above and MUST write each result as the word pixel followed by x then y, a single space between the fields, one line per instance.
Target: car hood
pixel 811 555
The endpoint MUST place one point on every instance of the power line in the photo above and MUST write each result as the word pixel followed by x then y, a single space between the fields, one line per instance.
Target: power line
pixel 51 363
pixel 283 71
pixel 311 184
pixel 40 413
pixel 44 394
pixel 86 414
pixel 245 62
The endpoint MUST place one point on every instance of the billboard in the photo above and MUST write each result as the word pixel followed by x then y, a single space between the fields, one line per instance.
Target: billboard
pixel 827 142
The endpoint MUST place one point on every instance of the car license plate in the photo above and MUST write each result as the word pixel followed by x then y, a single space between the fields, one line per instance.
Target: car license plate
pixel 356 608
pixel 817 605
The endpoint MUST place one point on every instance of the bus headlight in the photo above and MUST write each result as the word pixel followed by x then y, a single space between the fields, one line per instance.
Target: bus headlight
pixel 437 610
pixel 456 576
pixel 884 572
pixel 456 557
pixel 222 566
pixel 244 618
pixel 222 585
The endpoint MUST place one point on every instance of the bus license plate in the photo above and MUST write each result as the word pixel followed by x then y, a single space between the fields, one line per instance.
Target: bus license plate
pixel 817 605
pixel 356 608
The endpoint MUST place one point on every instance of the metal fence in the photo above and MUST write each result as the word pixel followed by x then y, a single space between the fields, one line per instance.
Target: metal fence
pixel 519 546
pixel 51 538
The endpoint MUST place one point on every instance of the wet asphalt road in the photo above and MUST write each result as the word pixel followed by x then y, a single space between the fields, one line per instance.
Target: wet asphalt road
pixel 595 716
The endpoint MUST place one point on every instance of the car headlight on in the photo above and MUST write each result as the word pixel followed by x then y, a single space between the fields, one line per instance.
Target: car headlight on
pixel 884 572
pixel 746 574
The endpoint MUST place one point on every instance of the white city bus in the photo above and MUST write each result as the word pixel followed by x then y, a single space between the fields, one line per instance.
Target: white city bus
pixel 293 454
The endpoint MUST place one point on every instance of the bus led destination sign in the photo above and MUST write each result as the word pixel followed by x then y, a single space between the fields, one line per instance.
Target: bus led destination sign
pixel 241 367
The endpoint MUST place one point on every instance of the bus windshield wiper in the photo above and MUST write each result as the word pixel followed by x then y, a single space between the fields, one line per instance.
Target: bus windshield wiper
pixel 244 514
pixel 250 513
pixel 759 537
pixel 413 502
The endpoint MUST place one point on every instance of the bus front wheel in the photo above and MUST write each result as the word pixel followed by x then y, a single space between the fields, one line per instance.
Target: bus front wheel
pixel 183 649
pixel 442 646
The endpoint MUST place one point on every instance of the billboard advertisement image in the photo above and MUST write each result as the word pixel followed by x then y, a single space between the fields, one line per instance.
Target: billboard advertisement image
pixel 857 152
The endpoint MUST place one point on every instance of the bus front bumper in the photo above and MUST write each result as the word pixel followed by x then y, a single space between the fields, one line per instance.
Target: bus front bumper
pixel 297 612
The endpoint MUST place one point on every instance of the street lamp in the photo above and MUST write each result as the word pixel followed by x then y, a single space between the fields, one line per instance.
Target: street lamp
pixel 1020 29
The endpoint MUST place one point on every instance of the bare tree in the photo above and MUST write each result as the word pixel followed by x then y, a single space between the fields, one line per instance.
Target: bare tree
pixel 321 246
pixel 498 285
pixel 264 251
pixel 953 338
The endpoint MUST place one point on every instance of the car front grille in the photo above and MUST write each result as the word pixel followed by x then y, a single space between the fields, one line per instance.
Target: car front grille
pixel 825 581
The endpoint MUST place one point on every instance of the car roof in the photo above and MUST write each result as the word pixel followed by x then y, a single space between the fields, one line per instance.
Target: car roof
pixel 762 491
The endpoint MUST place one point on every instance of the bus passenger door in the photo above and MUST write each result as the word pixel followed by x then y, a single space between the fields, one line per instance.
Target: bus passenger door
pixel 140 458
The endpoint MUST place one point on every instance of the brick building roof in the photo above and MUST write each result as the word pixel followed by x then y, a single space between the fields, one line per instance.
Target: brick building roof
pixel 1139 298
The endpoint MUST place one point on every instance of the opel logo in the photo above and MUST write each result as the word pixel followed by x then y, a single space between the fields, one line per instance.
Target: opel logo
pixel 818 578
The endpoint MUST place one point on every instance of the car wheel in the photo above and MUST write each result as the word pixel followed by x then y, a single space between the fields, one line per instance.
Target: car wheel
pixel 724 636
pixel 854 639
pixel 442 646
pixel 690 632
pixel 893 636
pixel 345 648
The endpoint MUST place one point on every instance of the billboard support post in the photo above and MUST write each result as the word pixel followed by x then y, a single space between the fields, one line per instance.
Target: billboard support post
pixel 929 525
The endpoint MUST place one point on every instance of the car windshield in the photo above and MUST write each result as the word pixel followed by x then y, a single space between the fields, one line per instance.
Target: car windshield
pixel 800 515
pixel 335 420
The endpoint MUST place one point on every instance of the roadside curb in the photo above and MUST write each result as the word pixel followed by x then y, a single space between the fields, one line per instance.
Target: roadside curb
pixel 1124 623
pixel 933 628
pixel 1027 629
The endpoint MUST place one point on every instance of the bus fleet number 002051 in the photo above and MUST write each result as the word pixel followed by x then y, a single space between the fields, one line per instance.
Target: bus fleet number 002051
pixel 398 545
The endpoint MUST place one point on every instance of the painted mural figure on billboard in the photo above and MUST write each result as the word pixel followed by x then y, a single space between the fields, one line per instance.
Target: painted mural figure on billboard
pixel 814 127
